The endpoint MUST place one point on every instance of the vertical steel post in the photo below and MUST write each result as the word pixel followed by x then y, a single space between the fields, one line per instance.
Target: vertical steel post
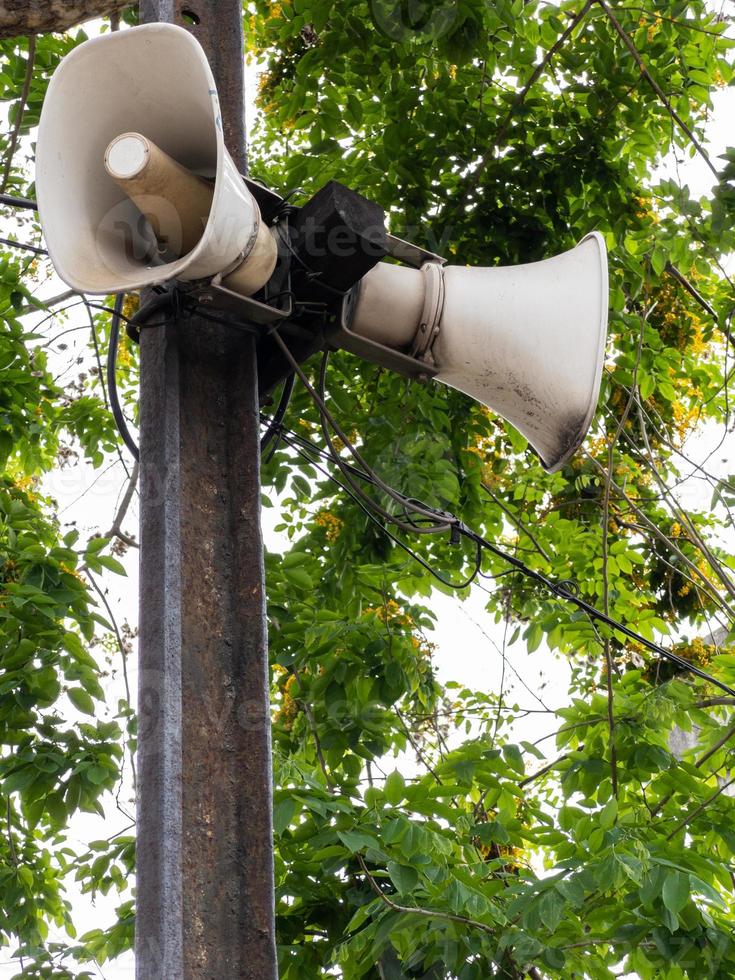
pixel 205 844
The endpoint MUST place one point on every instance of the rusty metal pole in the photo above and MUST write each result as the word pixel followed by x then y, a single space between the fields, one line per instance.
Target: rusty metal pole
pixel 205 896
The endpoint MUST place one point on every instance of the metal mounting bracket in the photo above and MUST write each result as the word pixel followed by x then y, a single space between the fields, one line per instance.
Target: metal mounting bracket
pixel 342 338
pixel 412 254
pixel 218 296
pixel 417 364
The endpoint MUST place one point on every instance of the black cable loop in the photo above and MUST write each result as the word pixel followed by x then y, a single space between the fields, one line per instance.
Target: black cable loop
pixel 275 429
pixel 117 412
pixel 566 589
pixel 326 417
pixel 568 586
pixel 457 586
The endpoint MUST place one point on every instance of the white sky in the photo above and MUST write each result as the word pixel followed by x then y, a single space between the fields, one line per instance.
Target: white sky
pixel 467 640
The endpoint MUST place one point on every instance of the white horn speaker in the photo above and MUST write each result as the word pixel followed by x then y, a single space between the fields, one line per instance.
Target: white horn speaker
pixel 528 341
pixel 130 142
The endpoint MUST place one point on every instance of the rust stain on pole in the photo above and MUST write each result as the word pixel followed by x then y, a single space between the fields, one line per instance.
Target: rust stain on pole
pixel 205 841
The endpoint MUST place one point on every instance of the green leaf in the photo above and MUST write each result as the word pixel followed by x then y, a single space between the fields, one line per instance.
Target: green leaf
pixel 283 813
pixel 299 577
pixel 658 260
pixel 403 877
pixel 81 700
pixel 355 840
pixel 514 757
pixel 551 909
pixel 491 832
pixel 609 813
pixel 518 442
pixel 675 891
pixel 395 787
pixel 107 561
pixel 26 876
pixel 55 808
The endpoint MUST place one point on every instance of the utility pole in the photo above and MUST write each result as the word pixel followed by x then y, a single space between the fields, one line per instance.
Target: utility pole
pixel 205 893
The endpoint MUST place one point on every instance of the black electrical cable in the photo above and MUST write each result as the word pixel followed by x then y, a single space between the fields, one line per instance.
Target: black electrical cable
pixel 442 522
pixel 18 202
pixel 140 319
pixel 135 324
pixel 274 427
pixel 117 412
pixel 565 590
pixel 426 525
pixel 313 275
pixel 562 591
pixel 26 248
pixel 457 586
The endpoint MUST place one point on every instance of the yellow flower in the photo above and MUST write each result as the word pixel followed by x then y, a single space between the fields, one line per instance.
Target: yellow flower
pixel 124 357
pixel 331 523
pixel 131 305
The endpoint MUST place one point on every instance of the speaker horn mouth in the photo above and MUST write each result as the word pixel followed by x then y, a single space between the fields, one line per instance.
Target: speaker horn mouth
pixel 575 436
pixel 153 87
pixel 527 341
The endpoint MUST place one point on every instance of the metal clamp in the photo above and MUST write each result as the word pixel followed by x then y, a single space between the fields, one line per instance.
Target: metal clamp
pixel 344 338
pixel 250 309
pixel 431 312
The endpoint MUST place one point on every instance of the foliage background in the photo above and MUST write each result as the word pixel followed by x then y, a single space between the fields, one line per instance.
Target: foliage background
pixel 416 835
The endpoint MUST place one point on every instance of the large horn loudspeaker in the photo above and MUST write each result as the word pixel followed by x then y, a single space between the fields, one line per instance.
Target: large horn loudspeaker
pixel 134 183
pixel 528 341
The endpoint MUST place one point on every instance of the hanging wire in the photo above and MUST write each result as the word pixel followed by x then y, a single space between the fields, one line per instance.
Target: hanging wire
pixel 307 451
pixel 22 245
pixel 438 522
pixel 408 504
pixel 274 427
pixel 18 202
pixel 565 590
pixel 117 412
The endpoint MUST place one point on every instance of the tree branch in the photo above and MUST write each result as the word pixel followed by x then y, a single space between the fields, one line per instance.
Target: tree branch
pixel 48 303
pixel 698 764
pixel 124 659
pixel 425 913
pixel 702 806
pixel 518 522
pixel 116 529
pixel 22 17
pixel 716 747
pixel 694 293
pixel 520 98
pixel 605 554
pixel 706 585
pixel 546 769
pixel 679 512
pixel 21 110
pixel 315 734
pixel 624 36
